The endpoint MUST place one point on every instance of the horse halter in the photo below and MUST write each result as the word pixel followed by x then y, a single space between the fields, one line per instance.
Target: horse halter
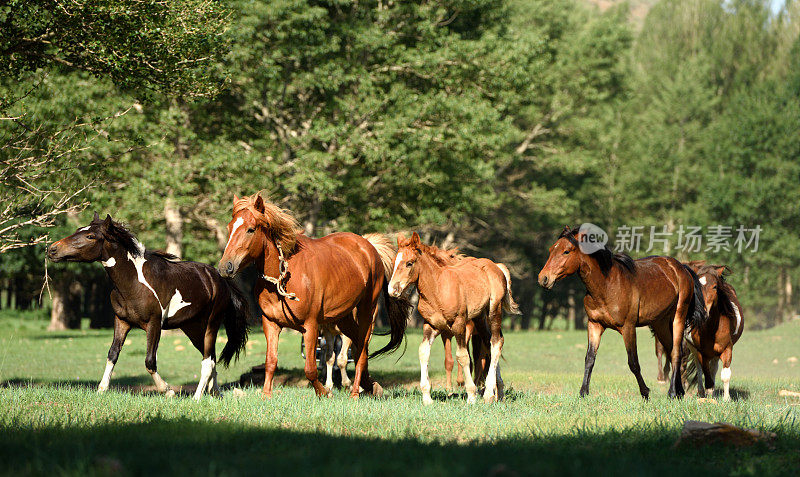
pixel 278 282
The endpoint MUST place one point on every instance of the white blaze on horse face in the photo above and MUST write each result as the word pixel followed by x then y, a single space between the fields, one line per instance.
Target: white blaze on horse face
pixel 176 303
pixel 738 318
pixel 702 281
pixel 109 263
pixel 83 229
pixel 393 285
pixel 238 223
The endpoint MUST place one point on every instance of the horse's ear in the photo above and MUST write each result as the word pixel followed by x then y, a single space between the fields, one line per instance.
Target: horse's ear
pixel 400 240
pixel 235 198
pixel 722 269
pixel 96 217
pixel 415 239
pixel 259 205
pixel 107 222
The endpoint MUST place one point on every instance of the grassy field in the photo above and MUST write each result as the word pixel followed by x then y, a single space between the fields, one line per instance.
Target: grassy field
pixel 52 420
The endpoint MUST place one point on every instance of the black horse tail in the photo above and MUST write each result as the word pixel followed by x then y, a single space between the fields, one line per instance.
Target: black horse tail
pixel 397 309
pixel 235 320
pixel 696 316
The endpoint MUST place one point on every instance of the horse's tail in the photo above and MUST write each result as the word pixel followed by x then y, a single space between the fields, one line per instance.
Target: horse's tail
pixel 397 309
pixel 696 316
pixel 509 305
pixel 235 320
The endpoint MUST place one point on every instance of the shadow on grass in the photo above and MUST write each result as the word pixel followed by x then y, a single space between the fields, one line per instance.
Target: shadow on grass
pixel 296 377
pixel 221 448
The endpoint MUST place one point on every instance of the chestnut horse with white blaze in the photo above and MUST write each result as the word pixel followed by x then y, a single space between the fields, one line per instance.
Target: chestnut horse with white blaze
pixel 622 293
pixel 306 283
pixel 452 293
pixel 156 291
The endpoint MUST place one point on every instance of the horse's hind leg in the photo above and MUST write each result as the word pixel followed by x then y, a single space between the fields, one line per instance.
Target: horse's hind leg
pixel 462 355
pixel 629 337
pixel 330 357
pixel 448 362
pixel 494 383
pixel 153 336
pixel 310 341
pixel 121 329
pixel 341 361
pixel 663 366
pixel 208 365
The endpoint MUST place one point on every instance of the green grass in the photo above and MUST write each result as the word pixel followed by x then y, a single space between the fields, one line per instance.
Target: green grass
pixel 51 420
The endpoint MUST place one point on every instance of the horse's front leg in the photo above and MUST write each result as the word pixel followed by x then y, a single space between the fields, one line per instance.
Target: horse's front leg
pixel 153 337
pixel 310 341
pixel 675 384
pixel 208 365
pixel 272 333
pixel 429 334
pixel 594 331
pixel 629 337
pixel 121 329
pixel 448 363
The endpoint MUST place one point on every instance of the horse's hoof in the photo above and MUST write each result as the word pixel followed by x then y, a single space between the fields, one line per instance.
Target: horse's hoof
pixel 426 399
pixel 353 396
pixel 101 389
pixel 471 399
pixel 584 393
pixel 489 399
pixel 171 394
pixel 346 384
pixel 266 396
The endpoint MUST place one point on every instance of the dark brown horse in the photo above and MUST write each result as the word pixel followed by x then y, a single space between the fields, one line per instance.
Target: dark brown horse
pixel 155 291
pixel 714 340
pixel 453 292
pixel 306 283
pixel 622 294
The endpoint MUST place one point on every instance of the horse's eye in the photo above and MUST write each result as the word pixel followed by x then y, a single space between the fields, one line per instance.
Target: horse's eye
pixel 251 230
pixel 566 252
pixel 409 264
pixel 90 237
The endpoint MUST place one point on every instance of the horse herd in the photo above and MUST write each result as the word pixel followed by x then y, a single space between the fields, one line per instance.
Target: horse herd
pixel 333 285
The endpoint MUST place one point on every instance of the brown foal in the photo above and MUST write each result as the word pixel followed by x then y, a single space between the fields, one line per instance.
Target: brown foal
pixel 622 294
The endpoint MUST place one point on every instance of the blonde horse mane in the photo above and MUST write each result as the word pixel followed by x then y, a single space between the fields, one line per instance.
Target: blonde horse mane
pixel 280 224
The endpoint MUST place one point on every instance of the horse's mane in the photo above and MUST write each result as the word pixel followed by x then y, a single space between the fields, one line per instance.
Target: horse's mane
pixel 118 233
pixel 725 292
pixel 280 224
pixel 605 257
pixel 441 256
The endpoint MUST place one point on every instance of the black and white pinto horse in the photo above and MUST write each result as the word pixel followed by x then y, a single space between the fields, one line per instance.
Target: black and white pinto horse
pixel 155 290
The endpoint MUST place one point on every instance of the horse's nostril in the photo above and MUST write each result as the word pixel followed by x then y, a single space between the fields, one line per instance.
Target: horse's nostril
pixel 229 267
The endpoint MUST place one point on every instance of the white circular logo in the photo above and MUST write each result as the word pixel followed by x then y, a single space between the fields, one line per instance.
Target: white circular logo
pixel 591 238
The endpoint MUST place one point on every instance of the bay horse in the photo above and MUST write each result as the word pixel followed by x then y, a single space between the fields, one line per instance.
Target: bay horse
pixel 622 293
pixel 714 340
pixel 453 292
pixel 306 283
pixel 155 291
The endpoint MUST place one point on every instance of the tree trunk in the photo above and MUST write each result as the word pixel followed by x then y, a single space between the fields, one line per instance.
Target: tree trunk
pixel 788 295
pixel 98 305
pixel 65 312
pixel 575 314
pixel 310 225
pixel 174 226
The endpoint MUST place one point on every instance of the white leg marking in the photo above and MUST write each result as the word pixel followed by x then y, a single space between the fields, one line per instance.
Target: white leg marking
pixel 106 377
pixel 462 356
pixel 238 223
pixel 162 385
pixel 726 381
pixel 424 357
pixel 490 393
pixel 330 358
pixel 738 318
pixel 206 369
pixel 342 361
pixel 109 263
